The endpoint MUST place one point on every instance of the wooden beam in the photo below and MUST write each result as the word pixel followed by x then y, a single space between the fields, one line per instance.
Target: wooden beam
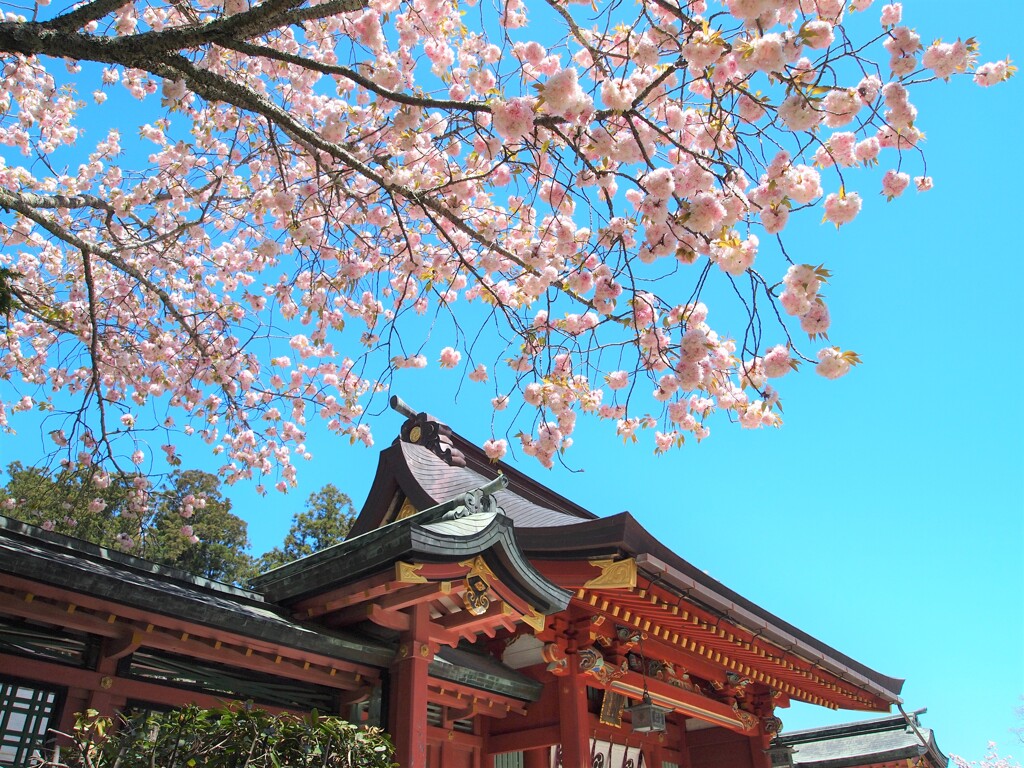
pixel 534 738
pixel 466 624
pixel 48 613
pixel 191 643
pixel 137 617
pixel 679 700
pixel 403 597
pixel 115 648
pixel 87 680
pixel 596 574
pixel 458 696
pixel 361 591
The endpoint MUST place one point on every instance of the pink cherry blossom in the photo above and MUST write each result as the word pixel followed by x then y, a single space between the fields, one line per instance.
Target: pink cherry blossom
pixel 777 361
pixel 495 449
pixel 892 14
pixel 262 246
pixel 895 183
pixel 450 357
pixel 842 207
pixel 818 34
pixel 513 119
pixel 833 363
pixel 993 72
pixel 563 95
pixel 618 379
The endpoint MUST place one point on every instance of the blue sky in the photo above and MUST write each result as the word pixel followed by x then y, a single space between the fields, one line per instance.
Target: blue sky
pixel 887 516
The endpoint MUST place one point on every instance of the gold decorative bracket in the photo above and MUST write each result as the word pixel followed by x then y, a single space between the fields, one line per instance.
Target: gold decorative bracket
pixel 615 574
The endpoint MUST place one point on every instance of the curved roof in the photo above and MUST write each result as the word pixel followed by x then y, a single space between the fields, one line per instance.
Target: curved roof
pixel 869 742
pixel 432 463
pixel 451 531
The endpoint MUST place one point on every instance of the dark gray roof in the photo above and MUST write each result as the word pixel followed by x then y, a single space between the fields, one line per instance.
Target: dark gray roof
pixel 867 742
pixel 430 462
pixel 448 532
pixel 83 568
pixel 476 670
pixel 442 481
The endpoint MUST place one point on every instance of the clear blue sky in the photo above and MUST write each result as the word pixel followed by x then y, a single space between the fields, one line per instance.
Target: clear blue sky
pixel 887 516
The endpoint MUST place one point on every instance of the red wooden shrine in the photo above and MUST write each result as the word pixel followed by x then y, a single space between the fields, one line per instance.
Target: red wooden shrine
pixel 483 619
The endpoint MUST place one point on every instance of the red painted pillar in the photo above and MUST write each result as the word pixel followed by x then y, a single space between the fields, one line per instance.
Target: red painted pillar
pixel 759 757
pixel 682 740
pixel 107 700
pixel 653 755
pixel 407 705
pixel 537 758
pixel 573 717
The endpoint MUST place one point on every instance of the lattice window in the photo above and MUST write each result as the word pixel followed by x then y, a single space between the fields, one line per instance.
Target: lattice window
pixel 509 760
pixel 26 712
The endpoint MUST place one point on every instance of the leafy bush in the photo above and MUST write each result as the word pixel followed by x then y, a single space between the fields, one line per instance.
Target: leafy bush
pixel 234 737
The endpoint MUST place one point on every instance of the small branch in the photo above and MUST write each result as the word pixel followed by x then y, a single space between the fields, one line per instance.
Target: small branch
pixel 78 18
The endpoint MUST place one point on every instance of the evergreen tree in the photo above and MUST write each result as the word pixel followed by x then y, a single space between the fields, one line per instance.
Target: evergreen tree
pixel 187 523
pixel 327 519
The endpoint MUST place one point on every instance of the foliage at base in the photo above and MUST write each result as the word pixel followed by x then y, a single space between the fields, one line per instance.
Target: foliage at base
pixel 234 737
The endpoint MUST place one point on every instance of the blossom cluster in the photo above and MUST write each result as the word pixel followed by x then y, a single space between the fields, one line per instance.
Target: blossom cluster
pixel 249 257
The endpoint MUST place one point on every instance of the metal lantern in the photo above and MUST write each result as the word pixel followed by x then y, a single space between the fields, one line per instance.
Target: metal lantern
pixel 647 718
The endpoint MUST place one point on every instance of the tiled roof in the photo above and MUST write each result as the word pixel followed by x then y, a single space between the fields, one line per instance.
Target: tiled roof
pixel 868 742
pixel 80 567
pixel 442 481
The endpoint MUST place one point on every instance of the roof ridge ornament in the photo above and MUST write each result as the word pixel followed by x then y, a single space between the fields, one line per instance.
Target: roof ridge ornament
pixel 473 502
pixel 420 428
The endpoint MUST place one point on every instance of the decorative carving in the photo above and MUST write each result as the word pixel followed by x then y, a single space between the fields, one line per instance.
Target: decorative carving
pixel 478 584
pixel 406 510
pixel 475 597
pixel 423 429
pixel 591 661
pixel 409 573
pixel 771 725
pixel 615 574
pixel 736 681
pixel 477 567
pixel 594 664
pixel 629 636
pixel 473 502
pixel 535 620
pixel 555 656
pixel 748 721
pixel 667 672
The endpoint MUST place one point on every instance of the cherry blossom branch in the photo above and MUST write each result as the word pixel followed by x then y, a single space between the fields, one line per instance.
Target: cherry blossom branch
pixel 88 12
pixel 12 202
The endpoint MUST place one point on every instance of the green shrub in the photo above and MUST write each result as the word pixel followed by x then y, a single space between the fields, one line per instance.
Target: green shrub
pixel 234 737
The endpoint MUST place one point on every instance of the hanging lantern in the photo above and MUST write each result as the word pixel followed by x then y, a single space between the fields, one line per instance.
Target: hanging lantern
pixel 647 718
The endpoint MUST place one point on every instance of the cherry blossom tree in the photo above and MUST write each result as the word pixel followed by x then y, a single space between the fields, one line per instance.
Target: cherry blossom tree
pixel 230 218
pixel 992 759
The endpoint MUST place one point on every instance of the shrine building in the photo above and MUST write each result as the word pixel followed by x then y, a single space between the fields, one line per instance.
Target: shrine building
pixel 482 619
